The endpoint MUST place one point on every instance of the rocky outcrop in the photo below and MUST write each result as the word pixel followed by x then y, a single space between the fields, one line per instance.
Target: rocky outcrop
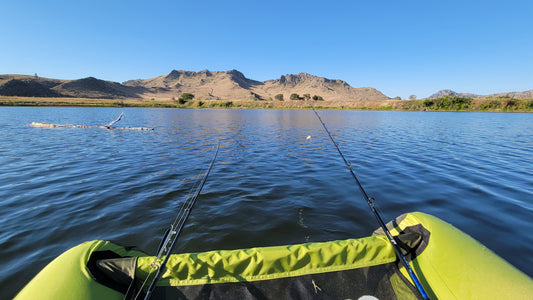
pixel 305 77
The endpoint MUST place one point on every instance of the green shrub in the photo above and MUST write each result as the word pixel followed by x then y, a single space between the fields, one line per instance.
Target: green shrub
pixel 494 104
pixel 295 96
pixel 428 103
pixel 448 103
pixel 187 96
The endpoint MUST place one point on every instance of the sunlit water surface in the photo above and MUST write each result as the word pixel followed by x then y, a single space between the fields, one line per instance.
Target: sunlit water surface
pixel 270 185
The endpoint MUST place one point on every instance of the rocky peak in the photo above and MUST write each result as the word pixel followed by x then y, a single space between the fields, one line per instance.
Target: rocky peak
pixel 206 73
pixel 176 74
pixel 303 77
pixel 236 75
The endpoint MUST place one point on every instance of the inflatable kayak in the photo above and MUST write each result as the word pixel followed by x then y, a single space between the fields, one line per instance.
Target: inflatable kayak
pixel 449 263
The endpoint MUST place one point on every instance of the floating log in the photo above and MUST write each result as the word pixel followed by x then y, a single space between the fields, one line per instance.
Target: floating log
pixel 108 126
pixel 36 124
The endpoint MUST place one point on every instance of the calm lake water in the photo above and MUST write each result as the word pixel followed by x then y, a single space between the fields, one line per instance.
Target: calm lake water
pixel 270 185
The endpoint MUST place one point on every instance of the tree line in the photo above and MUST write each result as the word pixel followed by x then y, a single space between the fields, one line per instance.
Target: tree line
pixel 185 97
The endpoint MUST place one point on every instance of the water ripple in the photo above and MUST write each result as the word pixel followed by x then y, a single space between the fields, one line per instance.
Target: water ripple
pixel 277 180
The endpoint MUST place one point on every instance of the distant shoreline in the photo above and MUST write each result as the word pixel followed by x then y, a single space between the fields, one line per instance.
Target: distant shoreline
pixel 441 104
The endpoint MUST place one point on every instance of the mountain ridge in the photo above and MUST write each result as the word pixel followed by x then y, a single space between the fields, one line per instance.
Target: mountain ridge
pixel 448 92
pixel 205 84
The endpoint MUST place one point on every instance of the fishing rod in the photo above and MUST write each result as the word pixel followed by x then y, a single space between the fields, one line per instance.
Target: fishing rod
pixel 370 202
pixel 171 235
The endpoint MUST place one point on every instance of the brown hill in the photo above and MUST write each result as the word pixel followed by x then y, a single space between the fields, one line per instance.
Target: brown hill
pixel 230 85
pixel 441 93
pixel 91 87
pixel 329 89
pixel 525 94
pixel 28 86
pixel 233 85
pixel 219 85
pixel 206 85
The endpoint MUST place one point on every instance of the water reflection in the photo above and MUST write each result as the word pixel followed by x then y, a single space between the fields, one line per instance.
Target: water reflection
pixel 271 184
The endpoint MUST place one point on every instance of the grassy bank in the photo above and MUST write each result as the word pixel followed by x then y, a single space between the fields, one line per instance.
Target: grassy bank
pixel 440 104
pixel 446 103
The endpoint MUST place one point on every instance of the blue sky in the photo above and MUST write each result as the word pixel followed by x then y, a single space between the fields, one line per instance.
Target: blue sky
pixel 399 47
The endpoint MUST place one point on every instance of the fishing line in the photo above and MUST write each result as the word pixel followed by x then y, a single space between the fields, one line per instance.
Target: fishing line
pixel 370 202
pixel 171 235
pixel 162 244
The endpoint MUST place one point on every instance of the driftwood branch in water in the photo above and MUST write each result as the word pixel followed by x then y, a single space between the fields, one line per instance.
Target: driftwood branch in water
pixel 113 122
pixel 108 126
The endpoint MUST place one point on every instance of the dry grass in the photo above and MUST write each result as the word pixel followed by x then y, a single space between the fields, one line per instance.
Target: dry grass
pixel 497 105
pixel 166 102
pixel 37 101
